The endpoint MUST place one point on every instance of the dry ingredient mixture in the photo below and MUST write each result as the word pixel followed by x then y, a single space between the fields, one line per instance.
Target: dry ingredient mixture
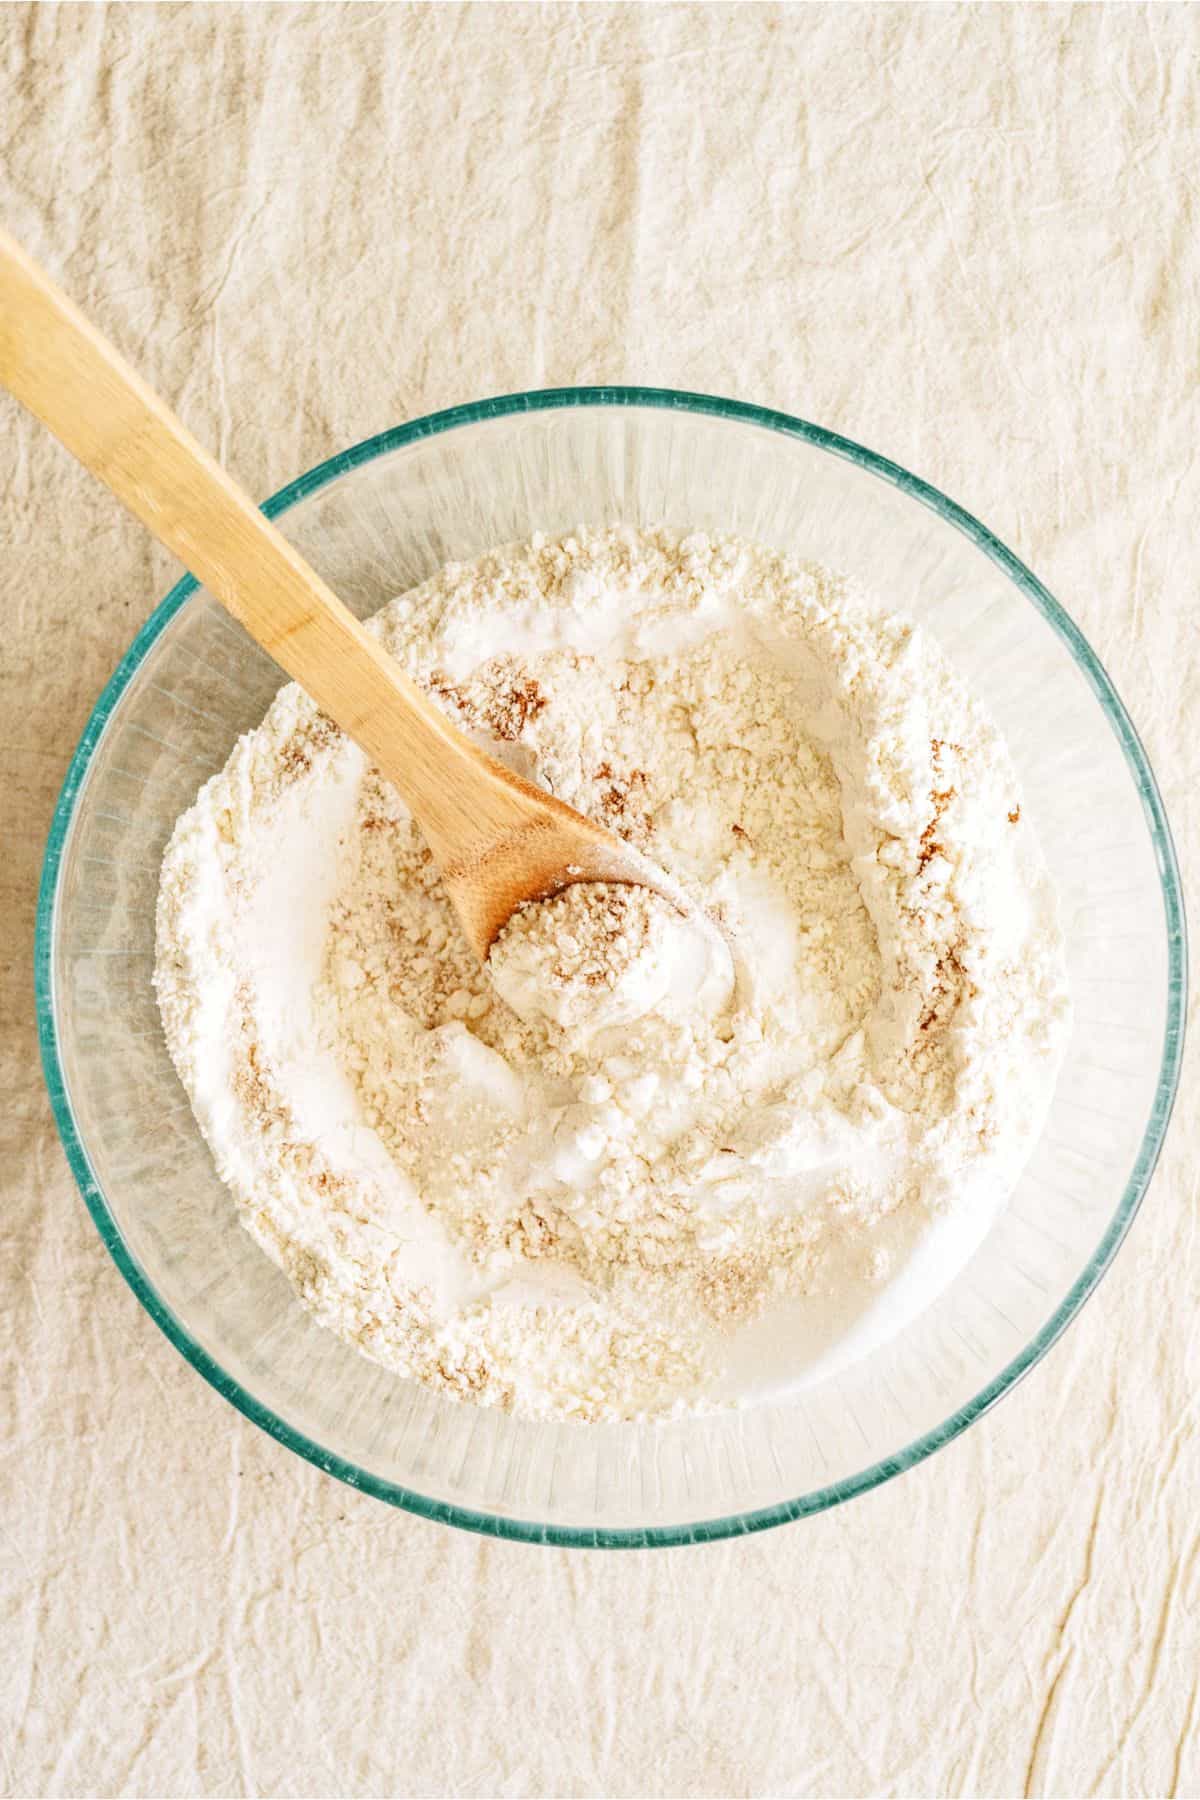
pixel 639 1163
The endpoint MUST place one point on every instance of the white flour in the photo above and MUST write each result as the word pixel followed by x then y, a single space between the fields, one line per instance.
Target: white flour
pixel 648 1187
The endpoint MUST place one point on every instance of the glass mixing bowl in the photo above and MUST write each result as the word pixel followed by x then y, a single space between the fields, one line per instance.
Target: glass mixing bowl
pixel 374 521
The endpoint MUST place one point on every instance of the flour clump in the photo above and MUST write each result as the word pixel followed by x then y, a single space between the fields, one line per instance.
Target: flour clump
pixel 569 1182
pixel 599 955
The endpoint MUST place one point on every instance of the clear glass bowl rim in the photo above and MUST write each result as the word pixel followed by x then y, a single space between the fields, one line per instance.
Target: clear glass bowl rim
pixel 736 1524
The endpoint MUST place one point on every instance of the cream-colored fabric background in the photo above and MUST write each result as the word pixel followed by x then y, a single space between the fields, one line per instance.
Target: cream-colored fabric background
pixel 969 237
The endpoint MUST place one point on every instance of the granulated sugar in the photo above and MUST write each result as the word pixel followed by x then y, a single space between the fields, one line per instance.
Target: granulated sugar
pixel 567 1183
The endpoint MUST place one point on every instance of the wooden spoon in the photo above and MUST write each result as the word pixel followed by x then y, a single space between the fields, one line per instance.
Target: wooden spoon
pixel 498 840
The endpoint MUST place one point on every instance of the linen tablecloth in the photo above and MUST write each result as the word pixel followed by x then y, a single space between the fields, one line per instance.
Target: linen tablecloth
pixel 966 236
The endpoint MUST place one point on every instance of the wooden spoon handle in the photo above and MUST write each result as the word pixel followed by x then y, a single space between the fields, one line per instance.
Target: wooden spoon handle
pixel 55 361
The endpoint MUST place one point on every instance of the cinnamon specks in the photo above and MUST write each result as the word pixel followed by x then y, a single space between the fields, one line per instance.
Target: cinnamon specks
pixel 297 754
pixel 505 707
pixel 939 799
pixel 949 982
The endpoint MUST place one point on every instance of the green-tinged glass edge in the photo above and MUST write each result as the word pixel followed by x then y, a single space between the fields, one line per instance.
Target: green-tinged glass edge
pixel 525 1530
